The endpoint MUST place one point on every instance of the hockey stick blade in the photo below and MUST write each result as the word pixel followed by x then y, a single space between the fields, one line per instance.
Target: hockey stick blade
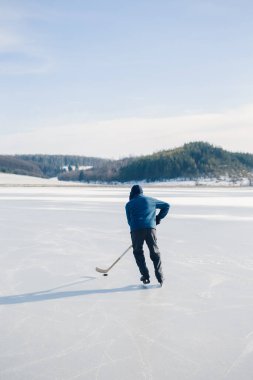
pixel 115 262
pixel 101 270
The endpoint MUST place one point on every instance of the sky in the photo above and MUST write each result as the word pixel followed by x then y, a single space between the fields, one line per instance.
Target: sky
pixel 119 78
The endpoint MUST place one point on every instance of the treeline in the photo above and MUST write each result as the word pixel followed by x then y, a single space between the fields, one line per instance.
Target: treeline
pixel 11 164
pixel 46 166
pixel 54 165
pixel 106 171
pixel 193 160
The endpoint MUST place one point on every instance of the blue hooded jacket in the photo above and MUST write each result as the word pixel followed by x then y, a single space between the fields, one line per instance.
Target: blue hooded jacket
pixel 141 210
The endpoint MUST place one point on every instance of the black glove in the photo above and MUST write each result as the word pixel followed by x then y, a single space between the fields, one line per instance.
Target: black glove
pixel 157 220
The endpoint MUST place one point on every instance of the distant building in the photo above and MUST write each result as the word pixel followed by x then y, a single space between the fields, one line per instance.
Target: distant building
pixel 73 168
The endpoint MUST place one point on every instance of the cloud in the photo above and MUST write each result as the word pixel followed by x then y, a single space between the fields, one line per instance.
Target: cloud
pixel 19 52
pixel 231 129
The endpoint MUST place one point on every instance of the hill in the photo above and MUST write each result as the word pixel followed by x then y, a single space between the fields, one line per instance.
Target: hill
pixel 193 160
pixel 14 165
pixel 53 165
pixel 47 166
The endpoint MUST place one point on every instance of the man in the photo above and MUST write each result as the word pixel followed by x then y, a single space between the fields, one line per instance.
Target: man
pixel 142 219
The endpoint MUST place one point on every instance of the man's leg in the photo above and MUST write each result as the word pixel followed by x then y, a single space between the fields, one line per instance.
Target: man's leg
pixel 155 256
pixel 137 241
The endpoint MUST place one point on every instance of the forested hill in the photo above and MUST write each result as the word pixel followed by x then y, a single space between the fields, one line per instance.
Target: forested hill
pixel 12 164
pixel 42 165
pixel 53 165
pixel 191 161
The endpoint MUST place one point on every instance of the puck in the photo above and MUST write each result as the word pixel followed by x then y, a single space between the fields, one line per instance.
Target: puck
pixel 105 274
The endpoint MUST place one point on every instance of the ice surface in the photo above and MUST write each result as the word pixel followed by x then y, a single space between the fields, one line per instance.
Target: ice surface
pixel 59 319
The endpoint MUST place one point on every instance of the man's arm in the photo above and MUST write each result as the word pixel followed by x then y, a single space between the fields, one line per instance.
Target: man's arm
pixel 128 214
pixel 164 209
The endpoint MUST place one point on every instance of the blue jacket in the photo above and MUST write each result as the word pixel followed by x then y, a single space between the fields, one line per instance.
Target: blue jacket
pixel 141 212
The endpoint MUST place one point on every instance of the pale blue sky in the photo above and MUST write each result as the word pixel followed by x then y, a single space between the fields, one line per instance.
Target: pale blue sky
pixel 114 78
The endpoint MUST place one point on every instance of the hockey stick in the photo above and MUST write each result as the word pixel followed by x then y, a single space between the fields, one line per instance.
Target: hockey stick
pixel 115 262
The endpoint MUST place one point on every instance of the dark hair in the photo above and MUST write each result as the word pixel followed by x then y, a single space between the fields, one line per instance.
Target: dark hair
pixel 136 190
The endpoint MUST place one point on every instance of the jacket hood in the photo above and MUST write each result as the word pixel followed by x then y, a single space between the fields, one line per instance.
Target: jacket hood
pixel 136 190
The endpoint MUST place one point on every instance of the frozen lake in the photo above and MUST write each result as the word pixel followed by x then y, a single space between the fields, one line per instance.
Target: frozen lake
pixel 59 319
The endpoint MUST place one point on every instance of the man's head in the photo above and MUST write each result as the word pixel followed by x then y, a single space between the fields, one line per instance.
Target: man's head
pixel 136 190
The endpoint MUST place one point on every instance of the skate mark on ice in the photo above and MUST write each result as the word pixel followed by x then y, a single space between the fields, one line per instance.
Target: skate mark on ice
pixel 215 281
pixel 245 352
pixel 126 331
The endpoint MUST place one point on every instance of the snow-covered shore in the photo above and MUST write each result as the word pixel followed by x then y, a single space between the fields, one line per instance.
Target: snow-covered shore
pixel 20 180
pixel 23 180
pixel 14 179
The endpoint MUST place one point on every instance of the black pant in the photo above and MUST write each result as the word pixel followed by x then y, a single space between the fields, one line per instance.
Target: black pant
pixel 149 236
